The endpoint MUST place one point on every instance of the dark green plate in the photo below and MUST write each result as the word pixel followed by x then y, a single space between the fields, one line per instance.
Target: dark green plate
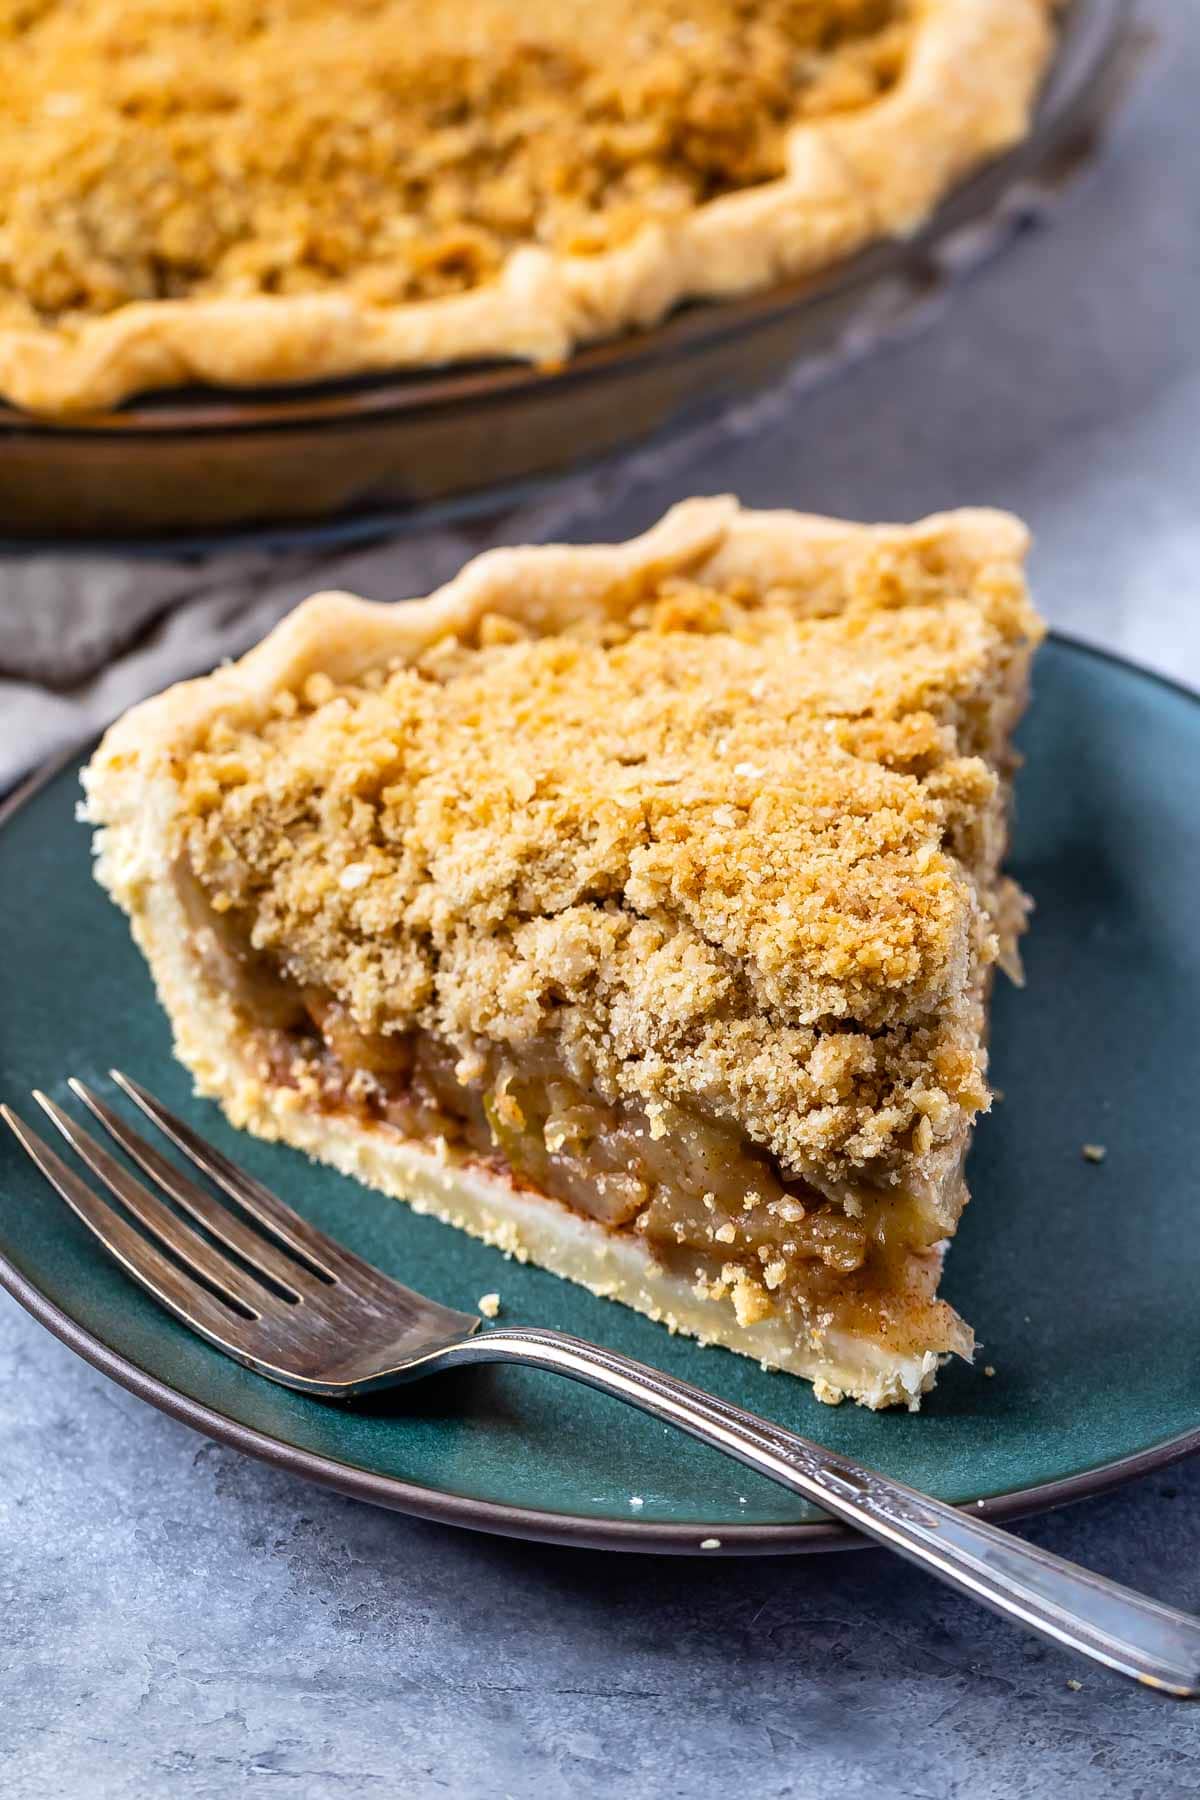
pixel 1082 1279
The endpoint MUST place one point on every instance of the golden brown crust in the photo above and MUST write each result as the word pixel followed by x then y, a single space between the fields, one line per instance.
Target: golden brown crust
pixel 874 170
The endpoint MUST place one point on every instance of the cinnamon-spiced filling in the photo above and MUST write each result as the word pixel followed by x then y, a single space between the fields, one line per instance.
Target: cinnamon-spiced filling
pixel 709 1203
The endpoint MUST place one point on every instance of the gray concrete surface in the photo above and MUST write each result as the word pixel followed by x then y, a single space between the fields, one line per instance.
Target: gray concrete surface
pixel 176 1621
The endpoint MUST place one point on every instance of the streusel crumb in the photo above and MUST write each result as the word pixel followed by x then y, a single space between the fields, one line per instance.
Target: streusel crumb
pixel 153 149
pixel 725 846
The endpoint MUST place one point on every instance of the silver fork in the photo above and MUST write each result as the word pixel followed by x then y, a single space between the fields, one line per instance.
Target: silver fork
pixel 305 1311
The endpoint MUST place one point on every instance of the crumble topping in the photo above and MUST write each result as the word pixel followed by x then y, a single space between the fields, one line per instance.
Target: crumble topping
pixel 153 149
pixel 720 845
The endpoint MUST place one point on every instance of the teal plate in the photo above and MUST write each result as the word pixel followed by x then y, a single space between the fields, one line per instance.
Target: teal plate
pixel 1081 1278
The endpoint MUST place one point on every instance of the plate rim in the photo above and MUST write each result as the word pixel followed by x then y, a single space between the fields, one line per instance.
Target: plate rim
pixel 499 1518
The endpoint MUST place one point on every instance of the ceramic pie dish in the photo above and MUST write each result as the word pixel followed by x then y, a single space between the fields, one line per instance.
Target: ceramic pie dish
pixel 218 458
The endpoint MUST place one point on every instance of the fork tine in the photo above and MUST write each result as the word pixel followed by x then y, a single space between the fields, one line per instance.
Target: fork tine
pixel 330 1258
pixel 136 1255
pixel 217 1218
pixel 179 1238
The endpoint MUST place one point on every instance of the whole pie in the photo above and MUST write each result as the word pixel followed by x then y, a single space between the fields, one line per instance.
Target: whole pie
pixel 632 907
pixel 234 191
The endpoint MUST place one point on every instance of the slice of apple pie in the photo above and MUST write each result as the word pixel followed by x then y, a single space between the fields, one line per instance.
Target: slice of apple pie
pixel 633 907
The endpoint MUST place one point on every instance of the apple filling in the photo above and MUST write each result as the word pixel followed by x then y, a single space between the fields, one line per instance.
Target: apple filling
pixel 709 1203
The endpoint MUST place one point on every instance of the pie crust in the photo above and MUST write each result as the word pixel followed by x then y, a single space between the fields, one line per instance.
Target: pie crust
pixel 926 928
pixel 965 93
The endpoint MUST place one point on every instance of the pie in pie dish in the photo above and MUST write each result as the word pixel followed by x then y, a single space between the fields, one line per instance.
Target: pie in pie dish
pixel 632 907
pixel 228 192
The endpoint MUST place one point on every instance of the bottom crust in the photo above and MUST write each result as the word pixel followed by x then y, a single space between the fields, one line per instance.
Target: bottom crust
pixel 531 1228
pixel 212 1041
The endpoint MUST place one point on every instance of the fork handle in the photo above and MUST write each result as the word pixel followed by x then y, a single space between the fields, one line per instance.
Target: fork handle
pixel 1105 1621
